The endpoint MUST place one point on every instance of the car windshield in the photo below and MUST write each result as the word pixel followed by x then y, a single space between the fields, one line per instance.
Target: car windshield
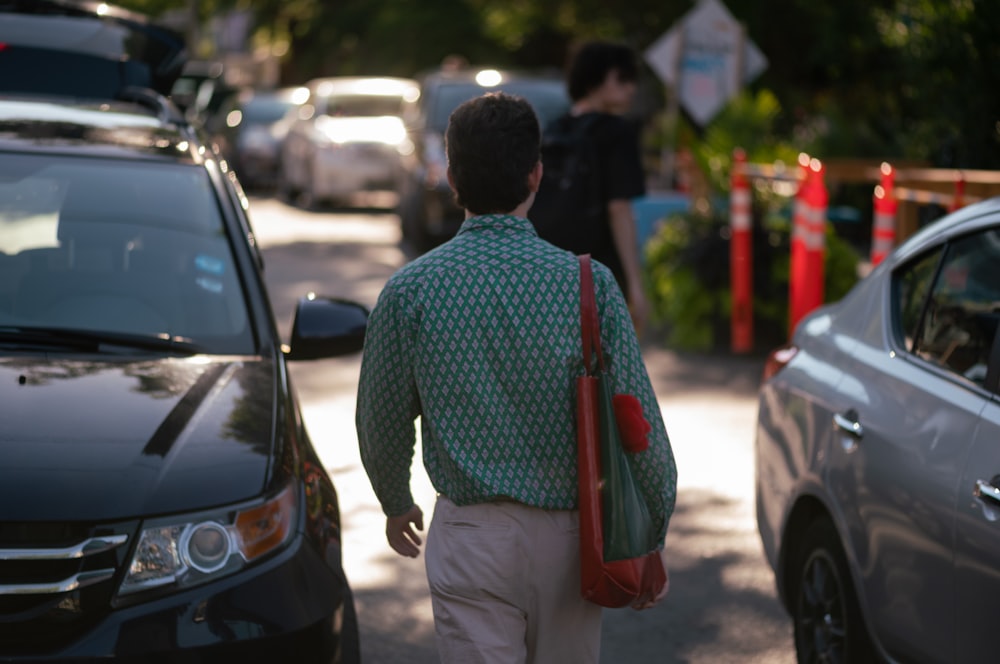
pixel 547 97
pixel 127 248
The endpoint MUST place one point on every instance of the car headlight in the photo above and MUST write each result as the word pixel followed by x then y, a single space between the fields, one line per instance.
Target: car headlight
pixel 192 549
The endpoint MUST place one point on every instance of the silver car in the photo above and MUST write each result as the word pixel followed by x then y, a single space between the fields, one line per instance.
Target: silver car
pixel 878 456
pixel 348 137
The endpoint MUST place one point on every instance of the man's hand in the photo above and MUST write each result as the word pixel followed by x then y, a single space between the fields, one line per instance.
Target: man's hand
pixel 402 538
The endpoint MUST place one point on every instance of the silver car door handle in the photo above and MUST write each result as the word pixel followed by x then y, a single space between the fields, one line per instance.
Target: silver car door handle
pixel 849 423
pixel 986 490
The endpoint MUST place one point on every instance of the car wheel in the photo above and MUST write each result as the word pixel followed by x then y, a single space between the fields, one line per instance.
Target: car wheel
pixel 308 199
pixel 286 190
pixel 433 220
pixel 412 224
pixel 828 624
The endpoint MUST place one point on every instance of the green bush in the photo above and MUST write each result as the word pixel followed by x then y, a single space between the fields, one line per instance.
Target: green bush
pixel 687 277
pixel 687 290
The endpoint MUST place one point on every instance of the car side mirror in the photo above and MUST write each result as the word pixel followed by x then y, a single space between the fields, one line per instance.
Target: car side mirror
pixel 326 327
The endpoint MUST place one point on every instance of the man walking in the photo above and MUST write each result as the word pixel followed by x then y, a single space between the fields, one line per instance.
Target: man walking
pixel 601 82
pixel 480 339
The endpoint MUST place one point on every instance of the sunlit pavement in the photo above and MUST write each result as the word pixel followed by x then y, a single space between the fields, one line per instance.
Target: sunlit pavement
pixel 722 605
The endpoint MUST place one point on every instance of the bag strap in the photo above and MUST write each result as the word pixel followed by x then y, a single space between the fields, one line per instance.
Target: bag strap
pixel 590 328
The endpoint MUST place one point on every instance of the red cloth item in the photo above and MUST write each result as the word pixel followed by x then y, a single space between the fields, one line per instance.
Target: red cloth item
pixel 632 426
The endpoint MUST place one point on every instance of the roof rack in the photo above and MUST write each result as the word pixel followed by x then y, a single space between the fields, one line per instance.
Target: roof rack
pixel 165 109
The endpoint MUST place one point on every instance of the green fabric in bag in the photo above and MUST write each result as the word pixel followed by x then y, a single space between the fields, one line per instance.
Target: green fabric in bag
pixel 628 528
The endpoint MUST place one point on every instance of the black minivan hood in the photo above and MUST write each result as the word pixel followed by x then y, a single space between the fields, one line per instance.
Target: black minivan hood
pixel 97 440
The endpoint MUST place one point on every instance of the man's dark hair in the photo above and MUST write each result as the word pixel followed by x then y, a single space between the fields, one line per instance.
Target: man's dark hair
pixel 493 142
pixel 593 61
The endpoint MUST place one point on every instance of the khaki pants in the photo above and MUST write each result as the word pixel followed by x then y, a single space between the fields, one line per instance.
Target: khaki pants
pixel 505 586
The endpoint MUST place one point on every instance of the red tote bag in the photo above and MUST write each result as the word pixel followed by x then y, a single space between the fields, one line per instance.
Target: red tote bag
pixel 609 503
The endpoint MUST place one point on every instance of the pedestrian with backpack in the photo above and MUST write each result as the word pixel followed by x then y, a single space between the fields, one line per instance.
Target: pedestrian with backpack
pixel 593 169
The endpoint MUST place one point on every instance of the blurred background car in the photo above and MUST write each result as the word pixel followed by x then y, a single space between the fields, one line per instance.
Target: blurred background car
pixel 348 137
pixel 878 456
pixel 250 128
pixel 427 210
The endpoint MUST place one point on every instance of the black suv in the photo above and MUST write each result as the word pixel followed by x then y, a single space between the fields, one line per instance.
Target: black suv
pixel 427 208
pixel 160 499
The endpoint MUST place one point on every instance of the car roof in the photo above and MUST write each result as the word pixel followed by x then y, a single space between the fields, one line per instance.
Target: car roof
pixel 496 76
pixel 84 48
pixel 363 85
pixel 137 129
pixel 965 220
pixel 292 94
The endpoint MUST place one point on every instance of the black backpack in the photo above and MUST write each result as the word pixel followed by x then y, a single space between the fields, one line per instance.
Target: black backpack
pixel 569 206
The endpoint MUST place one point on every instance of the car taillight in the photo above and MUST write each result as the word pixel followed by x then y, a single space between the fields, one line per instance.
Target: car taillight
pixel 777 360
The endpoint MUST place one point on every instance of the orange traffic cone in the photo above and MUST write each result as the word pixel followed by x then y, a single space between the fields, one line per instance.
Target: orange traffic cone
pixel 740 257
pixel 884 221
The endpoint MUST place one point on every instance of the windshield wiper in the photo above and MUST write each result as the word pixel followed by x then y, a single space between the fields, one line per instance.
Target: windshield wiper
pixel 97 340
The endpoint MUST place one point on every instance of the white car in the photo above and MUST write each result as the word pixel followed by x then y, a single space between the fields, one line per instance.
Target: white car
pixel 348 137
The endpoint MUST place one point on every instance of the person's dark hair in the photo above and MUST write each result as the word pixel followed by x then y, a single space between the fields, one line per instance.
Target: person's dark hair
pixel 493 143
pixel 591 63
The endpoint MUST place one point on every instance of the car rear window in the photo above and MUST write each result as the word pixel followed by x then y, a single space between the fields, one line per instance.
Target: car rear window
pixel 362 106
pixel 548 98
pixel 120 246
pixel 58 48
pixel 44 71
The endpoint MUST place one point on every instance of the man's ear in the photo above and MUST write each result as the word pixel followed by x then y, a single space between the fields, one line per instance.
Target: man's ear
pixel 451 180
pixel 535 177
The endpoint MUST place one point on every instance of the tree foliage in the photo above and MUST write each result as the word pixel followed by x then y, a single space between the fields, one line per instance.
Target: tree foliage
pixel 860 78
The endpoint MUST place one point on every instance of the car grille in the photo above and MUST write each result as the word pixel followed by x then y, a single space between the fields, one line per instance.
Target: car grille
pixel 56 581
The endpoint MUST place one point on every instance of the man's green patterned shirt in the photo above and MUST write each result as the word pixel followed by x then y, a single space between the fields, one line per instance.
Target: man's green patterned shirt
pixel 480 338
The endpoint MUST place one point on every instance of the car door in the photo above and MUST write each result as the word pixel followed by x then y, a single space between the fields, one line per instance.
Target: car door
pixel 977 545
pixel 977 541
pixel 909 417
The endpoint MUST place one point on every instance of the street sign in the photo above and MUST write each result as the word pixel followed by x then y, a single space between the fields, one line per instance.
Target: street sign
pixel 706 59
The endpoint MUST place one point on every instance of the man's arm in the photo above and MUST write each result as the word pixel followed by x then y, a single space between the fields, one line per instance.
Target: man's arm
pixel 624 233
pixel 655 468
pixel 387 405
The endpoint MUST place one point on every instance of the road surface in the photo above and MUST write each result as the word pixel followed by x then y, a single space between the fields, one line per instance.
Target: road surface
pixel 722 606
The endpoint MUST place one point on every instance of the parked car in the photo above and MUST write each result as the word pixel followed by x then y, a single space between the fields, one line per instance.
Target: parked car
pixel 348 137
pixel 250 128
pixel 877 456
pixel 160 499
pixel 427 209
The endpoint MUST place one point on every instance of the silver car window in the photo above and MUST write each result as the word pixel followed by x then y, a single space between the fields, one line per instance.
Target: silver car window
pixel 959 322
pixel 913 284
